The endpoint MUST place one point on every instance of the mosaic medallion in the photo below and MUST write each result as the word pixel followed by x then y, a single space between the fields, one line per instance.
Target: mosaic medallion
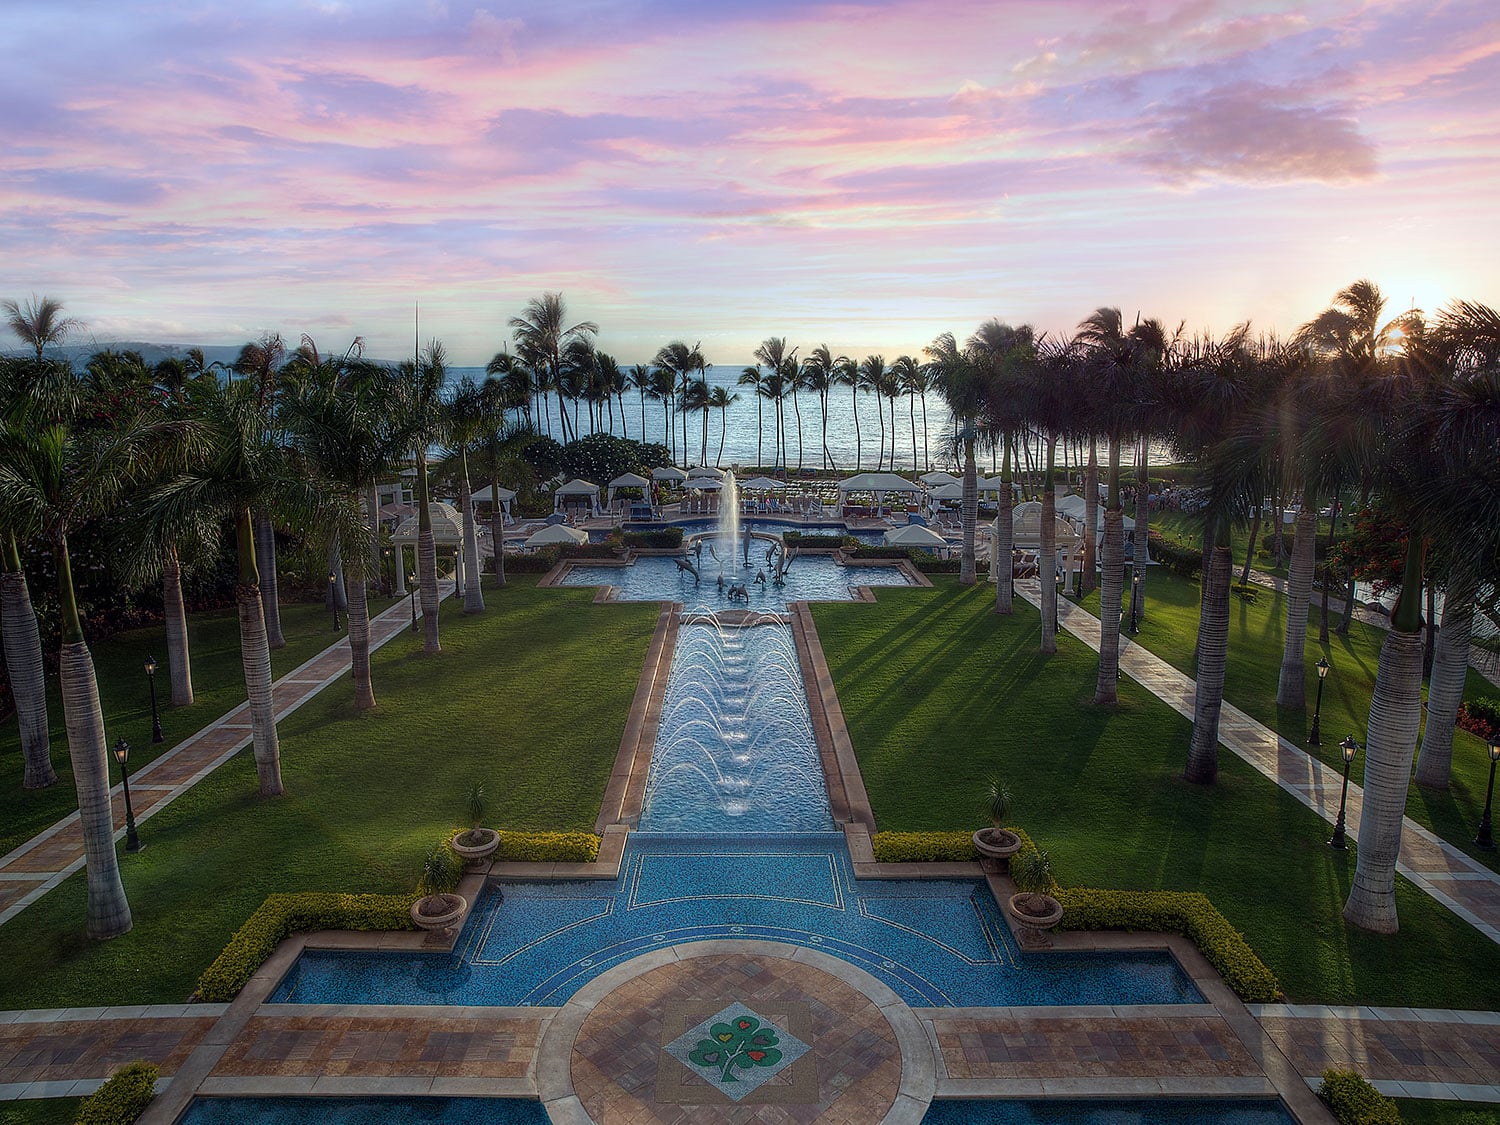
pixel 736 1050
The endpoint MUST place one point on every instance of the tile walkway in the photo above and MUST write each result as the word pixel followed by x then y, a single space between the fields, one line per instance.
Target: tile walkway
pixel 1463 885
pixel 48 858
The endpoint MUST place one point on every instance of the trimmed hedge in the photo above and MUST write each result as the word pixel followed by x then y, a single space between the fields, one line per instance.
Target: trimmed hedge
pixel 282 915
pixel 589 551
pixel 1183 912
pixel 1184 561
pixel 819 542
pixel 1180 912
pixel 924 561
pixel 548 847
pixel 923 847
pixel 1354 1101
pixel 541 562
pixel 123 1098
pixel 1249 593
pixel 666 537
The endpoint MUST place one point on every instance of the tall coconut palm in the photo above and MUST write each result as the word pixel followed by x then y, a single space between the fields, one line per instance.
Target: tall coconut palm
pixel 820 375
pixel 664 390
pixel 751 377
pixel 55 472
pixel 39 322
pixel 721 399
pixel 638 379
pixel 542 333
pixel 421 408
pixel 960 380
pixel 467 416
pixel 914 382
pixel 1051 391
pixel 905 373
pixel 870 379
pixel 508 371
pixel 682 361
pixel 259 363
pixel 782 361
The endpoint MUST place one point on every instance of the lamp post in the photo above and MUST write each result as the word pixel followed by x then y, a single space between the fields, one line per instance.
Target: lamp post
pixel 386 554
pixel 122 752
pixel 1135 600
pixel 1322 666
pixel 411 580
pixel 1350 748
pixel 156 734
pixel 333 598
pixel 1486 838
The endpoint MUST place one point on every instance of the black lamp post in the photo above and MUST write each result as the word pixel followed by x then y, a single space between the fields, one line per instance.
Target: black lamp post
pixel 156 734
pixel 1350 748
pixel 1322 666
pixel 387 583
pixel 122 752
pixel 1135 600
pixel 1486 838
pixel 411 581
pixel 333 598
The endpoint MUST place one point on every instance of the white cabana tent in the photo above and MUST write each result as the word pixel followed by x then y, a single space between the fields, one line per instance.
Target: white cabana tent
pixel 915 535
pixel 627 480
pixel 878 483
pixel 762 484
pixel 668 473
pixel 951 491
pixel 705 471
pixel 577 488
pixel 557 533
pixel 705 484
pixel 506 496
pixel 994 485
pixel 937 477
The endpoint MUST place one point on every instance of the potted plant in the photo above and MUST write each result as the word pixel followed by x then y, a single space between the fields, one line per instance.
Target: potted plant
pixel 1034 910
pixel 439 907
pixel 996 844
pixel 477 843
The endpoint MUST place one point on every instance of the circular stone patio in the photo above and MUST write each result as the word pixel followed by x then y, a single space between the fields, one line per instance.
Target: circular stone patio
pixel 735 1031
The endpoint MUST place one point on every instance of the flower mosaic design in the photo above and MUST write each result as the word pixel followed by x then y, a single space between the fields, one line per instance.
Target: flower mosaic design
pixel 741 1043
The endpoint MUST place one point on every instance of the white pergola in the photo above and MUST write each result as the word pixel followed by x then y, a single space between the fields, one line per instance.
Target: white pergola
pixel 447 531
pixel 1026 535
pixel 577 487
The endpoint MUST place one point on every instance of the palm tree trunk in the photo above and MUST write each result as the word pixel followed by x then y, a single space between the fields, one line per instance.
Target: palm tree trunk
pixel 473 595
pixel 797 409
pixel 1213 653
pixel 880 410
pixel 497 520
pixel 760 430
pixel 28 680
pixel 854 409
pixel 1291 691
pixel 265 565
pixel 359 644
pixel 1090 521
pixel 911 410
pixel 1333 523
pixel 927 457
pixel 1048 553
pixel 967 574
pixel 1450 670
pixel 1003 564
pixel 1250 550
pixel 1142 533
pixel 179 664
pixel 723 426
pixel 1395 715
pixel 255 659
pixel 372 508
pixel 426 561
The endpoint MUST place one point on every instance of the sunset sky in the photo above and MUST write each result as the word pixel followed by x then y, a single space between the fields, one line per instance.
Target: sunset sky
pixel 864 175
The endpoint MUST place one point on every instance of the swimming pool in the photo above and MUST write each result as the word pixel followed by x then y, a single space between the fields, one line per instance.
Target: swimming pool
pixel 1122 1111
pixel 936 943
pixel 808 578
pixel 356 1111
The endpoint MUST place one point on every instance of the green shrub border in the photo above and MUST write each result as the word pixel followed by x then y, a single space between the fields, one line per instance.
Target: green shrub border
pixel 1354 1101
pixel 1188 913
pixel 282 915
pixel 123 1098
pixel 548 847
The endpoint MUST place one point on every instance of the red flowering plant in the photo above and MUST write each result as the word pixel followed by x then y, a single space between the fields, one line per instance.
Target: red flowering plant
pixel 1480 717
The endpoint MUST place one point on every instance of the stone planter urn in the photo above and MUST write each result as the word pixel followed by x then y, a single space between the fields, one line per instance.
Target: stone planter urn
pixel 1034 915
pixel 476 845
pixel 995 847
pixel 438 912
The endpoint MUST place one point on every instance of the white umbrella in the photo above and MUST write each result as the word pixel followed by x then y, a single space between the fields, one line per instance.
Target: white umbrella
pixel 705 471
pixel 937 476
pixel 506 495
pixel 668 472
pixel 953 491
pixel 557 533
pixel 761 484
pixel 629 480
pixel 705 484
pixel 914 535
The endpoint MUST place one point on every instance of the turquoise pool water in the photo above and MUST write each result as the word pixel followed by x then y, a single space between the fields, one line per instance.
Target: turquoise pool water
pixel 808 578
pixel 1124 1111
pixel 360 1111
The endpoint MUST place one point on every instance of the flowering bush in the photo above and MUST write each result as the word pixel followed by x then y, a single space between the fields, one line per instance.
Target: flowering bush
pixel 1480 717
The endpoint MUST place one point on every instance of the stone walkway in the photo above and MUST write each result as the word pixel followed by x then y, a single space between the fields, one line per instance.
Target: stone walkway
pixel 1462 884
pixel 48 858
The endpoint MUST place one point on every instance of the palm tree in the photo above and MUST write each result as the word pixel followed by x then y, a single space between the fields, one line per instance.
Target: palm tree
pixel 421 406
pixel 681 361
pixel 820 373
pixel 1051 389
pixel 960 380
pixel 55 472
pixel 541 337
pixel 904 374
pixel 694 400
pixel 498 456
pixel 871 380
pixel 751 377
pixel 773 353
pixel 664 390
pixel 259 363
pixel 466 417
pixel 516 379
pixel 720 399
pixel 639 379
pixel 1006 358
pixel 39 322
pixel 914 381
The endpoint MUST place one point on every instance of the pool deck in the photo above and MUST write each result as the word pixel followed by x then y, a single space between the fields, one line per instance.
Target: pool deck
pixel 603 1057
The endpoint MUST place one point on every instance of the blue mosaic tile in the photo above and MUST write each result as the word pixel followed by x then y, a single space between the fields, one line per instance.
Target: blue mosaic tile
pixel 357 1111
pixel 1161 1111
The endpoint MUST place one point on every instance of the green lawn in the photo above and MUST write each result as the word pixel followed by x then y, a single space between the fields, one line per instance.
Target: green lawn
pixel 1255 642
pixel 218 687
pixel 939 692
pixel 40 1111
pixel 530 697
pixel 1415 1112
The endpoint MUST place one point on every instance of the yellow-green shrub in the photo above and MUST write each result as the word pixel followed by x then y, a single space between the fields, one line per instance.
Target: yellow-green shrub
pixel 1181 912
pixel 548 847
pixel 1354 1101
pixel 282 915
pixel 923 847
pixel 123 1098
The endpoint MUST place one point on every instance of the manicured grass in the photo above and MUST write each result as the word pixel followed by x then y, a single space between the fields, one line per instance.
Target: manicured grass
pixel 1256 633
pixel 40 1111
pixel 218 687
pixel 1422 1112
pixel 939 693
pixel 529 697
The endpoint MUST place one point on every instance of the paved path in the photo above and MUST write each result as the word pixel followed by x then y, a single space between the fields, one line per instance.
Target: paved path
pixel 44 861
pixel 1465 886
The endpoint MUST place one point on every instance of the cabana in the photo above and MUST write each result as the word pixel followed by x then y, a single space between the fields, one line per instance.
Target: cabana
pixel 878 483
pixel 577 491
pixel 937 477
pixel 627 480
pixel 762 484
pixel 1026 535
pixel 668 473
pixel 705 471
pixel 484 496
pixel 557 533
pixel 915 535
